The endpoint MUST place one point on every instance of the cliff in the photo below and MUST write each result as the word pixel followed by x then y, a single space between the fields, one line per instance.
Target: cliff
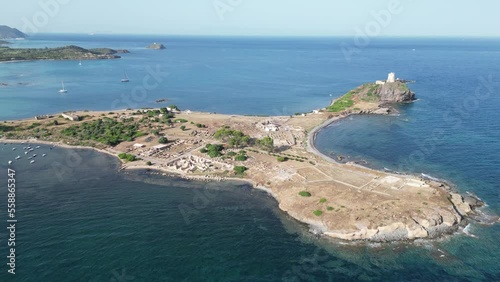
pixel 396 92
pixel 7 32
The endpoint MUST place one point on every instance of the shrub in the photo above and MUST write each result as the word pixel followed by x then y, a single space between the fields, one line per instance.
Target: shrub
pixel 183 127
pixel 330 208
pixel 305 194
pixel 317 213
pixel 149 163
pixel 322 200
pixel 240 169
pixel 241 158
pixel 163 140
pixel 231 154
pixel 282 159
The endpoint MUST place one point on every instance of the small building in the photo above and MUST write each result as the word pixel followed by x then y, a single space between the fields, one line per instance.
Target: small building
pixel 316 112
pixel 138 145
pixel 71 117
pixel 271 127
pixel 391 78
pixel 160 147
pixel 380 82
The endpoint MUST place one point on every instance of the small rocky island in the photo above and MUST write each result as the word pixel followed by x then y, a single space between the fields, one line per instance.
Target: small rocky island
pixel 60 53
pixel 276 154
pixel 156 46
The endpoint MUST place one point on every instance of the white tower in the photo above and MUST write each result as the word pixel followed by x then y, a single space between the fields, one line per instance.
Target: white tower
pixel 391 78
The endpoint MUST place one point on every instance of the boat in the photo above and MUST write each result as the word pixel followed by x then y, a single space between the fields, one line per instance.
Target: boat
pixel 10 162
pixel 44 155
pixel 13 149
pixel 125 79
pixel 34 155
pixel 63 90
pixel 80 63
pixel 37 147
pixel 18 157
pixel 25 153
pixel 33 161
pixel 29 158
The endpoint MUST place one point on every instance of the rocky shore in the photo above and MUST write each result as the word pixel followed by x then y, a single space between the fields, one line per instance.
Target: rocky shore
pixel 344 201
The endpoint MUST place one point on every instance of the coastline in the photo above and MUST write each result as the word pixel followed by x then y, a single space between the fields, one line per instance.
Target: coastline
pixel 346 201
pixel 278 193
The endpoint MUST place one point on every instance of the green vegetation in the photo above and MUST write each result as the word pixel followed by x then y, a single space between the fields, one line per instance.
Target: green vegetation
pixel 266 143
pixel 127 157
pixel 240 170
pixel 180 120
pixel 173 108
pixel 183 127
pixel 199 125
pixel 106 130
pixel 282 159
pixel 342 103
pixel 213 151
pixel 163 140
pixel 371 93
pixel 329 208
pixel 6 128
pixel 241 158
pixel 322 200
pixel 34 125
pixel 234 138
pixel 149 163
pixel 317 213
pixel 305 194
pixel 61 53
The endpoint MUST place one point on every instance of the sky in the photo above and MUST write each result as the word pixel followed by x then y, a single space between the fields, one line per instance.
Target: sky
pixel 458 18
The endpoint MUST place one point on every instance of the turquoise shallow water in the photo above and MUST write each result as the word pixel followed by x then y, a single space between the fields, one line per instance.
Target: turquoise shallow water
pixel 82 220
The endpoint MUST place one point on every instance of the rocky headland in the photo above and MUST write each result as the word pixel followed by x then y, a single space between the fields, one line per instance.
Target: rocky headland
pixel 275 154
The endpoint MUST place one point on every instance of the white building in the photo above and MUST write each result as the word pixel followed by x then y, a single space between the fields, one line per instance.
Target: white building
pixel 391 78
pixel 71 117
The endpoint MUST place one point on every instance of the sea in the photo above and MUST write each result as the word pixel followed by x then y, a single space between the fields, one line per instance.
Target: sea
pixel 79 218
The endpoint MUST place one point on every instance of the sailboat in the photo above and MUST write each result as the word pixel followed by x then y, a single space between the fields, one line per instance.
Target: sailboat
pixel 63 90
pixel 80 63
pixel 125 79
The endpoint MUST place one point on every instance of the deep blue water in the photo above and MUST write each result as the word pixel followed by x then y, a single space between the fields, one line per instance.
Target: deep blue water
pixel 82 220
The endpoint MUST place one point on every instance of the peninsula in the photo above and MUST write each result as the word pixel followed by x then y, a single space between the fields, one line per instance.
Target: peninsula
pixel 276 154
pixel 60 53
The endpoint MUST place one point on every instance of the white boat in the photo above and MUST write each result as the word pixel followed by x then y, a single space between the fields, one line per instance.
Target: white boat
pixel 18 157
pixel 34 155
pixel 10 162
pixel 80 63
pixel 44 155
pixel 63 90
pixel 25 153
pixel 37 147
pixel 29 158
pixel 13 149
pixel 33 161
pixel 125 79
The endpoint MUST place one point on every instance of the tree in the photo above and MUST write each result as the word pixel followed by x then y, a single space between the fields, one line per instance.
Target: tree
pixel 183 127
pixel 163 140
pixel 240 169
pixel 266 143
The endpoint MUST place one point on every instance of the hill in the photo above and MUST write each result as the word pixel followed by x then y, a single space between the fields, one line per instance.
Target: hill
pixel 61 53
pixel 372 94
pixel 7 32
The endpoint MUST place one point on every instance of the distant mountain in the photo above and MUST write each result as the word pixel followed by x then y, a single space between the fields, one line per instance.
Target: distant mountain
pixel 7 32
